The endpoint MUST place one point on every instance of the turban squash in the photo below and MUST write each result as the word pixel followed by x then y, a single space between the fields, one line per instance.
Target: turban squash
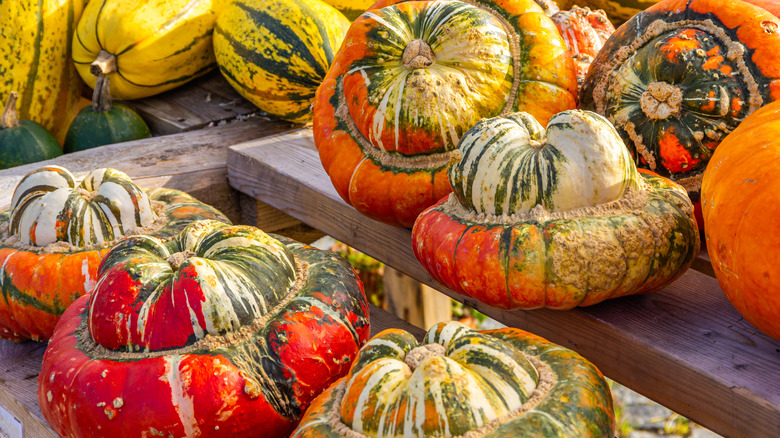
pixel 412 77
pixel 554 218
pixel 221 331
pixel 463 382
pixel 681 75
pixel 739 199
pixel 57 230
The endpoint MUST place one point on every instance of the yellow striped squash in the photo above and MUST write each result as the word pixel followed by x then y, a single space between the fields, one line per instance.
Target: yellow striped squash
pixel 145 47
pixel 351 8
pixel 276 53
pixel 35 60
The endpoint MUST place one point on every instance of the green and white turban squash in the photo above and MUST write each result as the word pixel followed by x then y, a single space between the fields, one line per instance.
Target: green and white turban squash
pixel 554 218
pixel 460 382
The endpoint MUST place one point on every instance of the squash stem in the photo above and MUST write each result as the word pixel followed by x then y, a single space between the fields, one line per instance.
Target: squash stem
pixel 10 118
pixel 101 95
pixel 105 63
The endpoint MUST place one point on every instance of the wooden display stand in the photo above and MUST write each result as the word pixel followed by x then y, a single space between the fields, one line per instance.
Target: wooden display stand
pixel 193 159
pixel 685 346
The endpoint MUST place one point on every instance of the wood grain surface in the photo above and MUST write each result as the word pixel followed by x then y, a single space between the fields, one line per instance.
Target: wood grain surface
pixel 204 101
pixel 684 346
pixel 194 161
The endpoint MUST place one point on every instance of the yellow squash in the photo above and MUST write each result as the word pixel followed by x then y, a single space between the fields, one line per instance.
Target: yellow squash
pixel 35 60
pixel 145 47
pixel 351 8
pixel 276 53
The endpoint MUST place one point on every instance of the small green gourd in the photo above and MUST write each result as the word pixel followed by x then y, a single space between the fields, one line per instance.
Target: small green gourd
pixel 23 141
pixel 104 122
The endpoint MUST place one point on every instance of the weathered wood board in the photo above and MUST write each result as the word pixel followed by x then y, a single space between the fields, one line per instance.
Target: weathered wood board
pixel 193 161
pixel 21 364
pixel 205 101
pixel 685 346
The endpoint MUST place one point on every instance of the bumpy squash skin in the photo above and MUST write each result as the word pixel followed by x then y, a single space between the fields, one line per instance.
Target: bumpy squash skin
pixel 158 44
pixel 739 202
pixel 585 32
pixel 276 53
pixel 35 60
pixel 255 380
pixel 574 402
pixel 618 11
pixel 38 284
pixel 382 158
pixel 681 75
pixel 547 224
pixel 91 128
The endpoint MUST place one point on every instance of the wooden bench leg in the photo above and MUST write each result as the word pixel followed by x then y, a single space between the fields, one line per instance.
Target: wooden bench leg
pixel 415 302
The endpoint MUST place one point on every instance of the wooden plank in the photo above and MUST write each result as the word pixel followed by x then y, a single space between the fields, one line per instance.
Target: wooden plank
pixel 684 346
pixel 413 301
pixel 206 100
pixel 21 364
pixel 195 162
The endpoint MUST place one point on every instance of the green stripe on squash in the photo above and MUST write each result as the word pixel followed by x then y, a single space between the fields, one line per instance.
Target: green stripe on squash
pixel 276 54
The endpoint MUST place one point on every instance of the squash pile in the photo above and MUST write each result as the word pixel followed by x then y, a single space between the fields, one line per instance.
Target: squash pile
pixel 57 231
pixel 542 158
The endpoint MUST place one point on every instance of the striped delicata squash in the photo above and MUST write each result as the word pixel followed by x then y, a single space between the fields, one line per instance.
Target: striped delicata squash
pixel 35 60
pixel 276 53
pixel 145 47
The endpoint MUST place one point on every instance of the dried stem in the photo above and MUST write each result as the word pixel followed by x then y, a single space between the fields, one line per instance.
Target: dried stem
pixel 9 118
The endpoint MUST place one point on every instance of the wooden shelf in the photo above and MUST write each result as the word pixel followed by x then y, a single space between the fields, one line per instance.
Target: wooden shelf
pixel 684 347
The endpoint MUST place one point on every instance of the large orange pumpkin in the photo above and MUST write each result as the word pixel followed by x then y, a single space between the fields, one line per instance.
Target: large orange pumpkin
pixel 739 201
pixel 411 78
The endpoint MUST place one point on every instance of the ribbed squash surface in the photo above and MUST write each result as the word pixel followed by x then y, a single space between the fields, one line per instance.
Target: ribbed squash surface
pixel 556 218
pixel 276 53
pixel 223 331
pixel 681 75
pixel 35 60
pixel 462 382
